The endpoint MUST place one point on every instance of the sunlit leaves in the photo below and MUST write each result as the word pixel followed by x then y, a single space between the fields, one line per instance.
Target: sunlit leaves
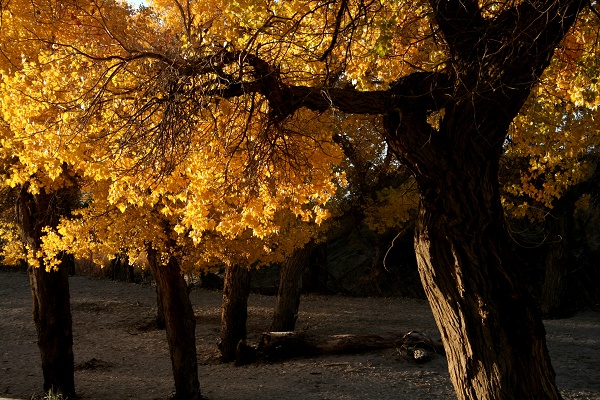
pixel 172 118
pixel 164 164
pixel 556 135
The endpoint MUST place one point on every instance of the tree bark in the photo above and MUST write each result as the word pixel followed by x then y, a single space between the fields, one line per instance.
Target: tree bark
pixel 53 323
pixel 287 302
pixel 234 312
pixel 160 310
pixel 180 324
pixel 49 289
pixel 490 326
pixel 491 329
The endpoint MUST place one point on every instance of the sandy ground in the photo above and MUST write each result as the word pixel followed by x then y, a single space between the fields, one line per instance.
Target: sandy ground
pixel 117 358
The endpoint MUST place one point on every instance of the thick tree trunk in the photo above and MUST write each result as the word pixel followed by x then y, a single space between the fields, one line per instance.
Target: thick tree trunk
pixel 180 325
pixel 49 289
pixel 287 302
pixel 492 332
pixel 234 312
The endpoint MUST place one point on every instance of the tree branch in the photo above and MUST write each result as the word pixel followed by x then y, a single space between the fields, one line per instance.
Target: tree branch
pixel 460 22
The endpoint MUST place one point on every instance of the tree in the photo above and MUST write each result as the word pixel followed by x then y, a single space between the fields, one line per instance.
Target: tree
pixel 234 311
pixel 553 141
pixel 180 323
pixel 488 322
pixel 101 228
pixel 49 288
pixel 287 303
pixel 77 116
pixel 246 89
pixel 40 203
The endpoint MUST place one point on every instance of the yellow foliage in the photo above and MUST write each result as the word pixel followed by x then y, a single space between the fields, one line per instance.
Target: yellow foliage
pixel 135 105
pixel 557 131
pixel 12 251
pixel 393 207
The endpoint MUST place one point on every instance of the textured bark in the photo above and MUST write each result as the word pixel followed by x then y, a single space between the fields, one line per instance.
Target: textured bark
pixel 180 324
pixel 52 318
pixel 492 332
pixel 49 290
pixel 287 302
pixel 234 312
pixel 491 328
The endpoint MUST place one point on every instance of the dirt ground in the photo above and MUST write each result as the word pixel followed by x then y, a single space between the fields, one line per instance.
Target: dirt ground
pixel 117 357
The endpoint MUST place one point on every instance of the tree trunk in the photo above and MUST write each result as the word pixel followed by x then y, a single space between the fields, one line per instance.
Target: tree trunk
pixel 490 325
pixel 234 312
pixel 493 335
pixel 180 325
pixel 49 289
pixel 160 310
pixel 555 301
pixel 52 318
pixel 287 302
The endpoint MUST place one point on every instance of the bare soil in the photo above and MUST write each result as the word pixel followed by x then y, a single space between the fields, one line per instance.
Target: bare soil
pixel 118 355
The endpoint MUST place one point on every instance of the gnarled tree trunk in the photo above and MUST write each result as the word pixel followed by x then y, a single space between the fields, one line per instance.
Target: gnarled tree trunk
pixel 180 324
pixel 492 332
pixel 234 312
pixel 287 303
pixel 491 329
pixel 490 326
pixel 49 289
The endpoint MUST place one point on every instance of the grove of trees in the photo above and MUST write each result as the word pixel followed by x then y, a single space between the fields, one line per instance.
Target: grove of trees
pixel 234 133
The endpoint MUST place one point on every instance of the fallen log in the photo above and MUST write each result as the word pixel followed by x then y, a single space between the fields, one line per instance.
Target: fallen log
pixel 277 346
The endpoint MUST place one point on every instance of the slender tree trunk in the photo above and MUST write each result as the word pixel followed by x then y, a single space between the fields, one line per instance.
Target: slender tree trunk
pixel 555 302
pixel 234 312
pixel 287 302
pixel 52 318
pixel 49 289
pixel 180 325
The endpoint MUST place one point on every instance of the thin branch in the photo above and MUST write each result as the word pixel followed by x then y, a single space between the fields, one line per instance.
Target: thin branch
pixel 336 31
